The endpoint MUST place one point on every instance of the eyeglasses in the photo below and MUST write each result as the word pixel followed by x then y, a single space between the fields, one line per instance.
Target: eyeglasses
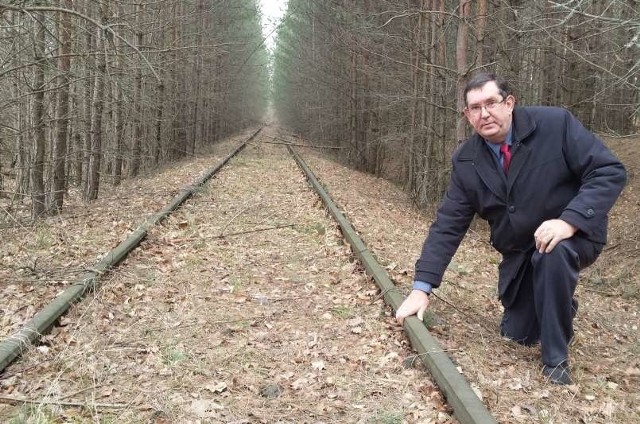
pixel 491 104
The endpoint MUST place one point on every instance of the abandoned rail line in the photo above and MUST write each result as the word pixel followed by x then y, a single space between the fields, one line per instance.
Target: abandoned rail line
pixel 165 240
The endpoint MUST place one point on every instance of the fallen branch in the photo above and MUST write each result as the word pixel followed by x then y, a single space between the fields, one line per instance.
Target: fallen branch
pixel 14 401
pixel 224 227
pixel 288 143
pixel 77 392
pixel 221 236
pixel 604 293
pixel 254 231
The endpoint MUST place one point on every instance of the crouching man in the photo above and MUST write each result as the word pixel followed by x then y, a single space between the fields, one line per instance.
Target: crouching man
pixel 545 185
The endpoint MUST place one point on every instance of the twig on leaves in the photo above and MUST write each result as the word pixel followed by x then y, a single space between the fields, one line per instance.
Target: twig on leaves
pixel 288 143
pixel 13 401
pixel 254 231
pixel 464 313
pixel 233 218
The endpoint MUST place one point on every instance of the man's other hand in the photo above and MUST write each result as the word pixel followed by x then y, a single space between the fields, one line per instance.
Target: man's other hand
pixel 552 232
pixel 416 302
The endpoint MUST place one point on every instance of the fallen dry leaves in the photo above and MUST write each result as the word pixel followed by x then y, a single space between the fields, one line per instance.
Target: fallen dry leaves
pixel 214 321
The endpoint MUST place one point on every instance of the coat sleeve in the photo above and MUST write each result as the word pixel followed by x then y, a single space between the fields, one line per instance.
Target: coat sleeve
pixel 453 218
pixel 602 178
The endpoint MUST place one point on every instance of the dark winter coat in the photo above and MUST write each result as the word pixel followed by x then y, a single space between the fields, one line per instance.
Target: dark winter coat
pixel 558 169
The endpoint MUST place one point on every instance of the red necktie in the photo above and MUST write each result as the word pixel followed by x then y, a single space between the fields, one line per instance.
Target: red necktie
pixel 506 156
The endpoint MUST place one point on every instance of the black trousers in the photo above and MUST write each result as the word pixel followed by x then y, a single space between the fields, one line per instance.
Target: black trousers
pixel 544 307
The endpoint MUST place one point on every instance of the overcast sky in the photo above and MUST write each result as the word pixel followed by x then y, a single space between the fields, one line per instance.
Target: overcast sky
pixel 272 11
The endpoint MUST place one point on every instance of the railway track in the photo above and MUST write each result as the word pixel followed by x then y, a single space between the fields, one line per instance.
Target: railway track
pixel 214 318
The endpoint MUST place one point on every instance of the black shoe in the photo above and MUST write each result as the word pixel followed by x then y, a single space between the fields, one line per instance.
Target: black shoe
pixel 559 374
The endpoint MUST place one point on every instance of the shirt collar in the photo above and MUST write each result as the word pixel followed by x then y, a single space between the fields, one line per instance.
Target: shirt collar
pixel 495 148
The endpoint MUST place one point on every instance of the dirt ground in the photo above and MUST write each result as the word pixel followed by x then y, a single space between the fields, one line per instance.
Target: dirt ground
pixel 246 306
pixel 211 323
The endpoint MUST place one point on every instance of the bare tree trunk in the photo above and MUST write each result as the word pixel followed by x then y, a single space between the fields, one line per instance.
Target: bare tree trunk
pixel 461 66
pixel 39 139
pixel 428 159
pixel 217 88
pixel 178 96
pixel 87 104
pixel 368 145
pixel 136 148
pixel 119 111
pixel 545 64
pixel 160 101
pixel 414 152
pixel 60 146
pixel 630 118
pixel 353 81
pixel 119 135
pixel 95 157
pixel 22 149
pixel 78 154
pixel 197 86
pixel 481 24
pixel 159 117
pixel 443 123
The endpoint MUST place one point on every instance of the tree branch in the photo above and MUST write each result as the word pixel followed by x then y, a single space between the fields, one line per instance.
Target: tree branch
pixel 105 28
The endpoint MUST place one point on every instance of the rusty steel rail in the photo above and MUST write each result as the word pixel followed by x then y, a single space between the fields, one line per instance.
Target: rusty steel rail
pixel 467 407
pixel 14 345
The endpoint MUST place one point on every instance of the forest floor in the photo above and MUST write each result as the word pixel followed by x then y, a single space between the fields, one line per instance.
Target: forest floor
pixel 206 323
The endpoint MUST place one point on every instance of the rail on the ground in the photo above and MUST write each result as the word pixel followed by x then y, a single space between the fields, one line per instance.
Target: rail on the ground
pixel 467 407
pixel 14 345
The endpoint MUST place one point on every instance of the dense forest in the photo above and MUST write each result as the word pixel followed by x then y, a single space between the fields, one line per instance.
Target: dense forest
pixel 384 78
pixel 94 92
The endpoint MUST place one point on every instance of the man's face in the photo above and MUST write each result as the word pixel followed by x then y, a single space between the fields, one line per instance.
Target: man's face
pixel 489 113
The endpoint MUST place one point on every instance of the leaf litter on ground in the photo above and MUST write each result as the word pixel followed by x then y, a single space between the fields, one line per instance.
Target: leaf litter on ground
pixel 277 325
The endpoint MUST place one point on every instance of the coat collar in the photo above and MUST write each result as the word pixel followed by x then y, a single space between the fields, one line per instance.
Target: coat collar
pixel 474 150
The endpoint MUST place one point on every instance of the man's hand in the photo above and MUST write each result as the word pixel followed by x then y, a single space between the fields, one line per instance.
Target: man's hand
pixel 416 302
pixel 552 232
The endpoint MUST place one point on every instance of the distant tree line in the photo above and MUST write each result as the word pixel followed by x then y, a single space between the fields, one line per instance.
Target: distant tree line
pixel 385 78
pixel 94 92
